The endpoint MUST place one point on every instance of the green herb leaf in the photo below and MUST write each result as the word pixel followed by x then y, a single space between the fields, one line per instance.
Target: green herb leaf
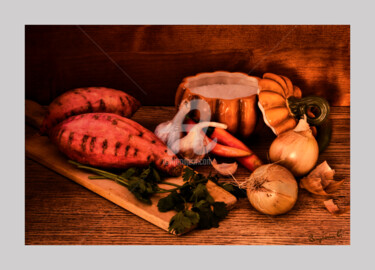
pixel 186 191
pixel 141 198
pixel 202 205
pixel 220 210
pixel 183 221
pixel 141 189
pixel 156 175
pixel 128 173
pixel 166 204
pixel 200 192
pixel 199 178
pixel 171 202
pixel 187 174
pixel 214 178
pixel 209 198
pixel 228 187
pixel 145 173
pixel 234 190
pixel 207 219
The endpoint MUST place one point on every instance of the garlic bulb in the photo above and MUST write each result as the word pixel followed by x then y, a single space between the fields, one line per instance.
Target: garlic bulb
pixel 163 130
pixel 272 189
pixel 170 131
pixel 192 147
pixel 296 149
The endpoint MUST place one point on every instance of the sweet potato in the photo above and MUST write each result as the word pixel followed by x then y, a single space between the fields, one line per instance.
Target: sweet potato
pixel 110 141
pixel 87 100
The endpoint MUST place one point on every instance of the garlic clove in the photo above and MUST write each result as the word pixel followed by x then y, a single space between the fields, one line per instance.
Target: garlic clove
pixel 225 168
pixel 313 185
pixel 333 186
pixel 320 180
pixel 334 209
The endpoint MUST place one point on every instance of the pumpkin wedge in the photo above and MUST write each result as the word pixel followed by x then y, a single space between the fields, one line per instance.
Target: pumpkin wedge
pixel 281 104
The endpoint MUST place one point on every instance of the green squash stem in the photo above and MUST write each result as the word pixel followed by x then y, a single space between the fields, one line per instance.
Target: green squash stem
pixel 299 107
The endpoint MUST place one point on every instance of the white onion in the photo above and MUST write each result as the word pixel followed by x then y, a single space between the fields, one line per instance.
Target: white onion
pixel 272 189
pixel 296 149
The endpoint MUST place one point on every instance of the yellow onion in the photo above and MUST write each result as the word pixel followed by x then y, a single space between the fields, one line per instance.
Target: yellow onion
pixel 296 149
pixel 272 189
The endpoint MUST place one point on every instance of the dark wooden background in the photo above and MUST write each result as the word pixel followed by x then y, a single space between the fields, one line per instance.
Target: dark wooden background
pixel 157 58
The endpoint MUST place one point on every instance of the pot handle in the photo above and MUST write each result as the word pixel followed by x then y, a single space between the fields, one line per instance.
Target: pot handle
pixel 299 107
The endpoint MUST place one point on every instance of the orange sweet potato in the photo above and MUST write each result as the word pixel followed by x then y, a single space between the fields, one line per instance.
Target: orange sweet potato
pixel 87 100
pixel 108 140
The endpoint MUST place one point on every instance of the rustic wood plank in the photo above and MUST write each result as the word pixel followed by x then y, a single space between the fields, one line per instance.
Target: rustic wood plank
pixel 157 57
pixel 58 211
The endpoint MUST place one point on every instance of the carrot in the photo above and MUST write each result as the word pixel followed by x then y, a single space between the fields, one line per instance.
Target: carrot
pixel 224 137
pixel 251 162
pixel 227 151
pixel 219 149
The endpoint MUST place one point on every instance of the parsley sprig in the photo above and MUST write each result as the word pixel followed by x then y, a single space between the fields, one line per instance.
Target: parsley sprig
pixel 194 205
pixel 141 182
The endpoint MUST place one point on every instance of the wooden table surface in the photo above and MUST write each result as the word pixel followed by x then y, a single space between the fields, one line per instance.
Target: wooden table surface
pixel 61 212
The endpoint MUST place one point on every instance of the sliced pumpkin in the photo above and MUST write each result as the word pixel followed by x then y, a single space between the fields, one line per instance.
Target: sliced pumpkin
pixel 273 92
pixel 282 104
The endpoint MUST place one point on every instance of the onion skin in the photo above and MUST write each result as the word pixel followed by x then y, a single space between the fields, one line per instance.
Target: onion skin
pixel 272 189
pixel 297 151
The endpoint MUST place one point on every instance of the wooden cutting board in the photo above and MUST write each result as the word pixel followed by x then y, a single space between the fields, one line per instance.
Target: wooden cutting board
pixel 40 149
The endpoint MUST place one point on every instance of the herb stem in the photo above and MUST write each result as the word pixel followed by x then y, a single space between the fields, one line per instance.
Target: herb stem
pixel 171 184
pixel 118 180
pixel 93 177
pixel 102 173
pixel 162 190
pixel 200 181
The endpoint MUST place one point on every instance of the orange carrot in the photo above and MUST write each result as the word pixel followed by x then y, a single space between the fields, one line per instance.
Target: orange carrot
pixel 251 162
pixel 219 149
pixel 224 137
pixel 227 151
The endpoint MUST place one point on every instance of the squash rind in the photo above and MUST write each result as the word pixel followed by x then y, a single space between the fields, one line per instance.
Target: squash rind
pixel 239 114
pixel 273 92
